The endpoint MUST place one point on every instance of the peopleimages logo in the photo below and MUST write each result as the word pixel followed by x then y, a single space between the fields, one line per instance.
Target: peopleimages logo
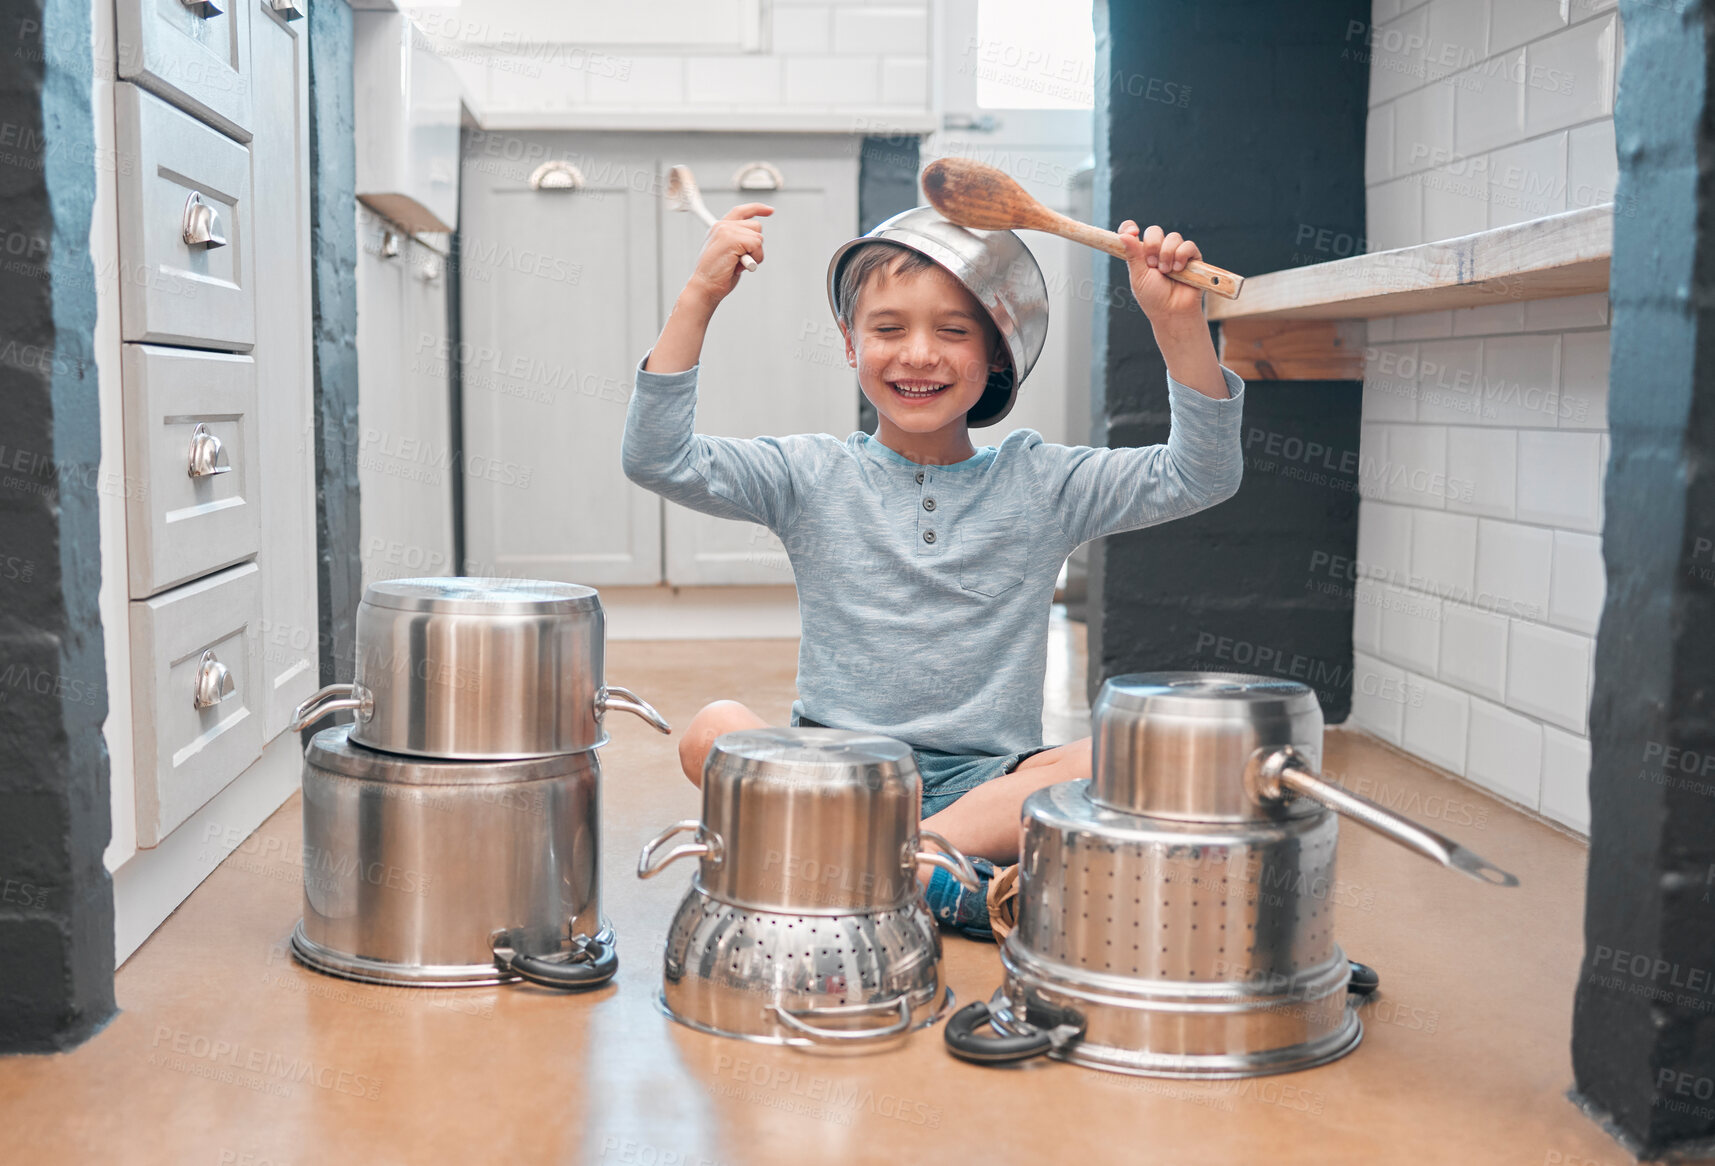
pixel 187 1052
pixel 837 1100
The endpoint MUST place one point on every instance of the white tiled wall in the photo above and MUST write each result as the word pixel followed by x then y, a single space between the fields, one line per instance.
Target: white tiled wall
pixel 1487 112
pixel 841 58
pixel 1485 430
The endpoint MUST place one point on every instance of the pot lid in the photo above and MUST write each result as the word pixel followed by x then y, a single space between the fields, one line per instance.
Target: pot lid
pixel 458 595
pixel 823 756
pixel 333 750
pixel 1213 694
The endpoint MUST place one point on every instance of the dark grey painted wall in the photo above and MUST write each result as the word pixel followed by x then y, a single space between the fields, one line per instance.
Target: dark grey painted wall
pixel 333 240
pixel 1241 125
pixel 56 900
pixel 1643 1038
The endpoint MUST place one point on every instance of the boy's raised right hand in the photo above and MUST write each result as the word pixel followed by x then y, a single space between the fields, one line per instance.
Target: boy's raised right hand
pixel 734 234
pixel 680 344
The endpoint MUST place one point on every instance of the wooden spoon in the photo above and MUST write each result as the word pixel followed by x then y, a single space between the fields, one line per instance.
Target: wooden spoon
pixel 683 194
pixel 973 195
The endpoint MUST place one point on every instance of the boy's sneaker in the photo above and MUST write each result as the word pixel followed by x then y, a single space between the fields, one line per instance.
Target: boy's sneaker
pixel 988 912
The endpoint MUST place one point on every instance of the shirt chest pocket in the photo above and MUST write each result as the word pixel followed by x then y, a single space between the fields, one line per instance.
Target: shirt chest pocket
pixel 993 552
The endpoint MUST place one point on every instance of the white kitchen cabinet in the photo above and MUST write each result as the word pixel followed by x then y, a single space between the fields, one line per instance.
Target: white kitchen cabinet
pixel 196 55
pixel 560 301
pixel 216 390
pixel 773 362
pixel 190 445
pixel 407 101
pixel 287 655
pixel 184 229
pixel 565 290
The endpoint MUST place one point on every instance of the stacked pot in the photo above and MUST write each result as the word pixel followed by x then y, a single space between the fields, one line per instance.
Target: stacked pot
pixel 804 924
pixel 1176 911
pixel 451 831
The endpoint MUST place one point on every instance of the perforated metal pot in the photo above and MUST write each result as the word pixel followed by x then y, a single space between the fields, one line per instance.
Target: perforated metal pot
pixel 478 670
pixel 804 924
pixel 1175 911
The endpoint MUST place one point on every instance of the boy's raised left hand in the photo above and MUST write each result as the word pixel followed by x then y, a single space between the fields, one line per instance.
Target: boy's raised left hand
pixel 1149 256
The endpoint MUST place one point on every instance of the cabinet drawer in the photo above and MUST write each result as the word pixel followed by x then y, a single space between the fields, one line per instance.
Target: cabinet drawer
pixel 186 754
pixel 194 56
pixel 174 289
pixel 191 452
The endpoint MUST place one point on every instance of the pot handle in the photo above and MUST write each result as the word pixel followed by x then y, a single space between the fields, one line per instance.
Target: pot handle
pixel 1272 774
pixel 333 699
pixel 612 696
pixel 964 1043
pixel 708 845
pixel 951 859
pixel 795 1021
pixel 591 963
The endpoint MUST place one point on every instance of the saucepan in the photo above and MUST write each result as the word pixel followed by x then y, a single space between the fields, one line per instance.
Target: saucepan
pixel 478 670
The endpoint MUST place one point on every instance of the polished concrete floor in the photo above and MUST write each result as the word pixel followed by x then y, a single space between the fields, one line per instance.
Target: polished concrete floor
pixel 1465 1058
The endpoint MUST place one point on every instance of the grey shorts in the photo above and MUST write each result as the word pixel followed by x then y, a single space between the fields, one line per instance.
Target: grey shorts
pixel 947 777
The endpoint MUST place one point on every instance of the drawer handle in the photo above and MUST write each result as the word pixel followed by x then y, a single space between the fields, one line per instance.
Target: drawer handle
pixel 201 226
pixel 288 9
pixel 203 9
pixel 208 456
pixel 214 682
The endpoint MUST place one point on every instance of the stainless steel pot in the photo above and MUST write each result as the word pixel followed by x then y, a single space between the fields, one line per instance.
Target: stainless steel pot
pixel 1227 747
pixel 478 670
pixel 1182 949
pixel 804 924
pixel 1175 911
pixel 450 873
pixel 818 821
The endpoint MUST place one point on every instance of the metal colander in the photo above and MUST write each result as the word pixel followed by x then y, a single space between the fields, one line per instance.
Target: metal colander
pixel 802 979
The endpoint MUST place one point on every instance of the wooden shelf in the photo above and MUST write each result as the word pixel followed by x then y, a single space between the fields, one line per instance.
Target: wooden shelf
pixel 1561 255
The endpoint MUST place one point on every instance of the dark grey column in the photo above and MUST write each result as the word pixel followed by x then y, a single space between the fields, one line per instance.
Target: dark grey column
pixel 1643 1035
pixel 56 900
pixel 1241 125
pixel 333 237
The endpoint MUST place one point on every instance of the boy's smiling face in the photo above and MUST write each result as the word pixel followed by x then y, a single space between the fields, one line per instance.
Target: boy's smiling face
pixel 923 348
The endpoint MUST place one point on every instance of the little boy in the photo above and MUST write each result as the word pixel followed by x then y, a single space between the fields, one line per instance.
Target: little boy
pixel 926 566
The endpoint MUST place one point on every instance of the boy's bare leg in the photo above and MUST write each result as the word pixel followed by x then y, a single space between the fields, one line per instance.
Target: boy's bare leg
pixel 985 822
pixel 723 716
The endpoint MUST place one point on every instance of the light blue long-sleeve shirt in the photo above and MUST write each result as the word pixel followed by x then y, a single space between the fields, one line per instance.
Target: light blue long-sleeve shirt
pixel 924 591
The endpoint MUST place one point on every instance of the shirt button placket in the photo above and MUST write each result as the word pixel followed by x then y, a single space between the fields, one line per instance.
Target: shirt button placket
pixel 928 532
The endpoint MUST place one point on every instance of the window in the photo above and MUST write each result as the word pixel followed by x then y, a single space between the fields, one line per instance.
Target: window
pixel 1034 54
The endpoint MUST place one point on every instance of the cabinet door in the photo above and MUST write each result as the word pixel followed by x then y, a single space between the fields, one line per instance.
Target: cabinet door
pixel 175 288
pixel 559 303
pixel 195 55
pixel 773 362
pixel 190 446
pixel 194 697
pixel 286 654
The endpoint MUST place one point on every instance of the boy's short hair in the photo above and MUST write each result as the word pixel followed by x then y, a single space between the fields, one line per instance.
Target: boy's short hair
pixel 867 261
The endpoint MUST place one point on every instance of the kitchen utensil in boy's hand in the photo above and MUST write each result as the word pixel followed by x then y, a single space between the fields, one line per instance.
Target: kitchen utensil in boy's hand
pixel 985 199
pixel 682 192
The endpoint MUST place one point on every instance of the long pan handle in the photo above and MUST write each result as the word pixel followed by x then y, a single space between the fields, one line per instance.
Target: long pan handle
pixel 1215 280
pixel 1271 774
